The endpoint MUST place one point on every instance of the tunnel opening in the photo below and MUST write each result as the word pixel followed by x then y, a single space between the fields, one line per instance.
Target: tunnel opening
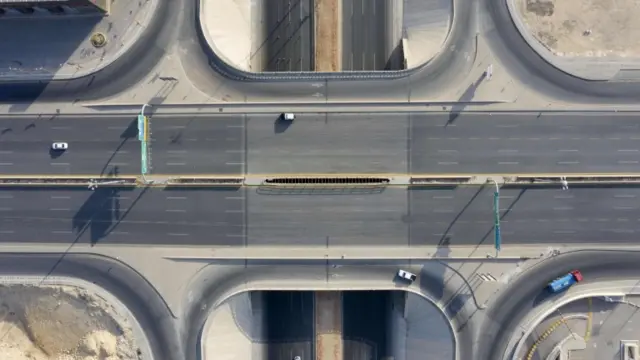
pixel 329 325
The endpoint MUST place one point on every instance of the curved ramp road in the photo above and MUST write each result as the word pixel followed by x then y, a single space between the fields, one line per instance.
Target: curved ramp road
pixel 523 295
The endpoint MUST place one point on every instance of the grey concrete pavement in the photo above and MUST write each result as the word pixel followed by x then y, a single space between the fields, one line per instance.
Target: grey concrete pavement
pixel 45 50
pixel 393 216
pixel 364 29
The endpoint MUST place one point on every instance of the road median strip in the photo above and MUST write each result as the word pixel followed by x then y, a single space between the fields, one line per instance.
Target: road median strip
pixel 75 181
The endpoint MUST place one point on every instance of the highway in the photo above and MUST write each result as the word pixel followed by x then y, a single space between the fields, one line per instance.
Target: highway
pixel 363 35
pixel 261 216
pixel 363 143
pixel 524 294
pixel 288 26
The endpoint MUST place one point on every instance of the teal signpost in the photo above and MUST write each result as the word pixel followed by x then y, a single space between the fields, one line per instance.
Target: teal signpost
pixel 143 136
pixel 496 219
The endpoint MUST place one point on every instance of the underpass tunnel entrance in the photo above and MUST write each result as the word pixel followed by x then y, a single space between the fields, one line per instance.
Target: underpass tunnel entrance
pixel 328 325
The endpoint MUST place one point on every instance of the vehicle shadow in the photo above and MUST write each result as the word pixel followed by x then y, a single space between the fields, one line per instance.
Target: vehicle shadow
pixel 54 154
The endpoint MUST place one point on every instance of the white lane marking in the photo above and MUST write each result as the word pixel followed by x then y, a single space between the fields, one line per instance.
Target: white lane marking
pixel 624 196
pixel 175 164
pixel 441 211
pixel 562 208
pixel 505 196
pixel 613 138
pixel 234 198
pixel 563 197
pixel 6 196
pixel 448 151
pixel 447 163
pixel 567 150
pixel 118 164
pixel 564 231
pixel 177 234
pixel 177 151
pixel 568 162
pixel 234 151
pixel 174 127
pixel 60 164
pixel 627 162
pixel 7 231
pixel 235 126
pixel 59 209
pixel 176 198
pixel 60 127
pixel 119 197
pixel 508 163
pixel 441 234
pixel 176 210
pixel 623 207
pixel 5 152
pixel 234 211
pixel 117 127
pixel 507 126
pixel 620 231
pixel 6 164
pixel 5 209
pixel 627 150
pixel 234 163
pixel 60 197
pixel 507 151
pixel 235 235
pixel 119 152
pixel 442 197
pixel 61 232
pixel 118 233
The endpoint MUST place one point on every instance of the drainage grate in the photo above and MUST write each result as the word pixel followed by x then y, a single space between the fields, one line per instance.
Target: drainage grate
pixel 327 181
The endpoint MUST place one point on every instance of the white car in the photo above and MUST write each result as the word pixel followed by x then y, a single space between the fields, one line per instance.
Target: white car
pixel 406 275
pixel 59 146
pixel 288 116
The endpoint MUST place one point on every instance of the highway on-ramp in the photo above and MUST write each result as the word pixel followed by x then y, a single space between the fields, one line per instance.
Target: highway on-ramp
pixel 265 216
pixel 362 143
pixel 526 293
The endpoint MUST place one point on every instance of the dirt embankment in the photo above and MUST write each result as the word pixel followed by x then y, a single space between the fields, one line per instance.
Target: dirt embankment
pixel 327 35
pixel 60 323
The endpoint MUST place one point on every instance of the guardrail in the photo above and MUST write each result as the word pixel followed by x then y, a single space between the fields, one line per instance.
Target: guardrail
pixel 578 179
pixel 205 181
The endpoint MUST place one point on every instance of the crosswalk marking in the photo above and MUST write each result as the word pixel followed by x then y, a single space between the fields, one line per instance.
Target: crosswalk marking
pixel 487 277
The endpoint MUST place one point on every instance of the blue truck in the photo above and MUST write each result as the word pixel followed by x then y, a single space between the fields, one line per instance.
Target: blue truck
pixel 564 282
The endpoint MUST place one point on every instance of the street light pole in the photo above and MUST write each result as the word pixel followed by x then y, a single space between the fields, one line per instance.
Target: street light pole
pixel 496 218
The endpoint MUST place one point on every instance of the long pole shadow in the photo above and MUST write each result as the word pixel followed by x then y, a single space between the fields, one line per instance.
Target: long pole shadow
pixel 453 222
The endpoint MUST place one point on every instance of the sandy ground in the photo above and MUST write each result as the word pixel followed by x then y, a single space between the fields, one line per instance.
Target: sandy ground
pixel 587 28
pixel 328 325
pixel 60 323
pixel 327 41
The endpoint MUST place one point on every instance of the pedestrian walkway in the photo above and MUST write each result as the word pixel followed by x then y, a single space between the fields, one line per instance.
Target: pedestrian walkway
pixel 60 47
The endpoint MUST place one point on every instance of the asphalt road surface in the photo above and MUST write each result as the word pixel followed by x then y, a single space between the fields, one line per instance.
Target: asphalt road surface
pixel 365 143
pixel 289 35
pixel 523 295
pixel 392 216
pixel 363 35
pixel 365 330
pixel 104 144
pixel 289 324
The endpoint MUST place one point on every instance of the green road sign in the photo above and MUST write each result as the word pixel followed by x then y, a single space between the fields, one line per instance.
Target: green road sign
pixel 496 220
pixel 141 127
pixel 143 157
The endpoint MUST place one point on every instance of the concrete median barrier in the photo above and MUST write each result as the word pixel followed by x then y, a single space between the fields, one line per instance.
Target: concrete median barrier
pixel 75 181
pixel 205 181
pixel 586 179
pixel 441 180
